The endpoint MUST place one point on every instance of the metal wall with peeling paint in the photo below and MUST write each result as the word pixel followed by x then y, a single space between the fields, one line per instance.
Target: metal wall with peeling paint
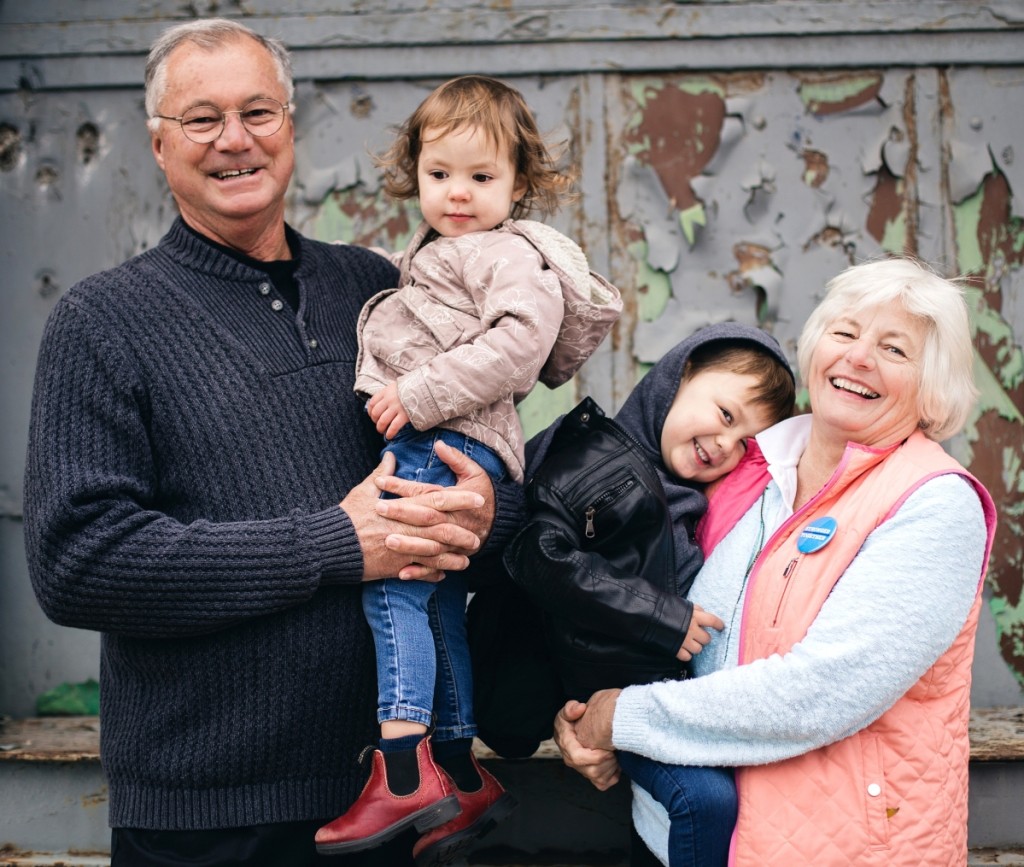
pixel 734 156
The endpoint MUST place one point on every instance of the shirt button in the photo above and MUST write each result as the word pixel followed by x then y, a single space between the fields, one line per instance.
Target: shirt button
pixel 874 790
pixel 312 343
pixel 276 304
pixel 264 288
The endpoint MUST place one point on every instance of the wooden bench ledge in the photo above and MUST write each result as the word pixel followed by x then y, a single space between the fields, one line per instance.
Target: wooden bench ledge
pixel 997 735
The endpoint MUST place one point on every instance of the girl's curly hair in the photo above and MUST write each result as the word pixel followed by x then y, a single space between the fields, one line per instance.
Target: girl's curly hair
pixel 501 113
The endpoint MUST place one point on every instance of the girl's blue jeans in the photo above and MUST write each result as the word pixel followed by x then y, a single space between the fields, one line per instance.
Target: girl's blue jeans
pixel 701 805
pixel 419 627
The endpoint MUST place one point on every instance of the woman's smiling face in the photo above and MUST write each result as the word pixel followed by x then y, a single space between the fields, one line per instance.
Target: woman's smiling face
pixel 863 379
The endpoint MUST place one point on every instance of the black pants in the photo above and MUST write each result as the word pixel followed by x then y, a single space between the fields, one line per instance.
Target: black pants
pixel 639 854
pixel 288 844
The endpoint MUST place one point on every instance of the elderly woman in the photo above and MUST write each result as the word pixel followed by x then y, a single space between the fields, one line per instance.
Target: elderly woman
pixel 845 556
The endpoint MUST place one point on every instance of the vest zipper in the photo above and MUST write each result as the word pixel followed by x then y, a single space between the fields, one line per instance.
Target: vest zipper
pixel 787 575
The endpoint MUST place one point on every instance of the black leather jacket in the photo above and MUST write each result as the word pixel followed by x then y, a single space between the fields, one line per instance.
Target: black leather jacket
pixel 597 555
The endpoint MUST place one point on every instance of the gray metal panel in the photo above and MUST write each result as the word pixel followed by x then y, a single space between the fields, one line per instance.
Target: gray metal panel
pixel 790 190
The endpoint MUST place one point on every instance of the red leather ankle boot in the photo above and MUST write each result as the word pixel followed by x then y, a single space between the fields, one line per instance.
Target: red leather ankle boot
pixel 378 814
pixel 481 811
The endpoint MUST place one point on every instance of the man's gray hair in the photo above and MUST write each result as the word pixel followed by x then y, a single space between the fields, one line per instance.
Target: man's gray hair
pixel 207 33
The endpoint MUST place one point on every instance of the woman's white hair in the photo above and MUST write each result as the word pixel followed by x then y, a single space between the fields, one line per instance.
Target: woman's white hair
pixel 946 371
pixel 207 33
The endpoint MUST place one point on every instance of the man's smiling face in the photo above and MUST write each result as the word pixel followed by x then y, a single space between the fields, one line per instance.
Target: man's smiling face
pixel 225 186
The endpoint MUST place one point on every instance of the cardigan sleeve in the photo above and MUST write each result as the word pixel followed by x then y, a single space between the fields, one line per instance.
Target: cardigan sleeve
pixel 897 608
pixel 103 554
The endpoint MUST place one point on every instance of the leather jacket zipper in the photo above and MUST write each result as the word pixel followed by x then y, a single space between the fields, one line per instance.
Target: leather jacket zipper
pixel 602 501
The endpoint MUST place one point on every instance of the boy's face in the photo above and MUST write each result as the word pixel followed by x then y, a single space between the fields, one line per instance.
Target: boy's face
pixel 707 426
pixel 466 184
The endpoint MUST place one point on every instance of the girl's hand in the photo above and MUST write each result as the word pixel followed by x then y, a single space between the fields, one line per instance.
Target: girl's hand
pixel 387 411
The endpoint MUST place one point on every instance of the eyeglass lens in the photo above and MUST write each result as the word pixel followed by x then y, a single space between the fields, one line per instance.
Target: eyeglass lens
pixel 204 123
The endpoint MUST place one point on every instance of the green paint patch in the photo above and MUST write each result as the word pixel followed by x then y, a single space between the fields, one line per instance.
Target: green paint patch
pixel 643 91
pixel 1009 620
pixel 653 285
pixel 849 91
pixel 993 397
pixel 543 405
pixel 1012 476
pixel 997 330
pixel 894 239
pixel 701 84
pixel 966 218
pixel 689 219
pixel 370 219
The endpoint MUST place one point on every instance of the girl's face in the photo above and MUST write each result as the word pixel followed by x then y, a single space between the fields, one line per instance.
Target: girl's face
pixel 708 424
pixel 466 183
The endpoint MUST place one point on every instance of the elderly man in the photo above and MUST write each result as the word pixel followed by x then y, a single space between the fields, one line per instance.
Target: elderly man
pixel 193 430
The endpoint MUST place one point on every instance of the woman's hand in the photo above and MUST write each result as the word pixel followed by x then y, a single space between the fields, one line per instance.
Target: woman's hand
pixel 598 765
pixel 428 530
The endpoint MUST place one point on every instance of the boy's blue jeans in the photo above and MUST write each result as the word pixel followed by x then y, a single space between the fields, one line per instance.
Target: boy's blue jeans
pixel 419 627
pixel 701 805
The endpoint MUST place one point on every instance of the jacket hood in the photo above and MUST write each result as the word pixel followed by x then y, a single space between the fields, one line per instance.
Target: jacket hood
pixel 645 410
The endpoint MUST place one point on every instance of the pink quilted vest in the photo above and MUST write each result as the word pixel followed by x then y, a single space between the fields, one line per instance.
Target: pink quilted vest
pixel 895 793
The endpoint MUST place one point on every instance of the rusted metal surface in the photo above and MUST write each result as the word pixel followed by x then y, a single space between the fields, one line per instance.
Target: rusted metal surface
pixel 734 156
pixel 744 194
pixel 50 739
pixel 997 734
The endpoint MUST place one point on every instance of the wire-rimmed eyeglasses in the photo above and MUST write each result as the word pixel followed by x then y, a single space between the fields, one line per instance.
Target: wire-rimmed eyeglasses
pixel 205 123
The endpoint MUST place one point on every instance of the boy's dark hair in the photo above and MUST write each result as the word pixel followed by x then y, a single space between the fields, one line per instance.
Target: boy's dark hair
pixel 775 389
pixel 500 113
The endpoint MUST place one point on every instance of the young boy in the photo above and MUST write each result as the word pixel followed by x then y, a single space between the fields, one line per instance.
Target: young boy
pixel 609 552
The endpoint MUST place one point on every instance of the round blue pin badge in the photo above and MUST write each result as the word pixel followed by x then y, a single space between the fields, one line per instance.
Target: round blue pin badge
pixel 816 535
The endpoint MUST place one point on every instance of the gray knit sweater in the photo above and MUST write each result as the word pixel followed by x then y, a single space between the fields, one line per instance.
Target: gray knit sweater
pixel 191 438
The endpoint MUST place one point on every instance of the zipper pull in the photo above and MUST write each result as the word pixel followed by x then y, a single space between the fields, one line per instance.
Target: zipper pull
pixel 588 531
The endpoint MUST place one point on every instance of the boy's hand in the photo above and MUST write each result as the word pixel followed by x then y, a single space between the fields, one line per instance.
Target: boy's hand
pixel 697 636
pixel 387 411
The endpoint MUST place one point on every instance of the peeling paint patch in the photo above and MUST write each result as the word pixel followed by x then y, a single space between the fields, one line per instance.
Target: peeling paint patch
pixel 992 249
pixel 968 167
pixel 361 104
pixel 368 219
pixel 47 175
pixel 886 218
pixel 815 167
pixel 88 139
pixel 678 133
pixel 46 285
pixel 835 94
pixel 653 288
pixel 10 147
pixel 758 274
pixel 96 799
